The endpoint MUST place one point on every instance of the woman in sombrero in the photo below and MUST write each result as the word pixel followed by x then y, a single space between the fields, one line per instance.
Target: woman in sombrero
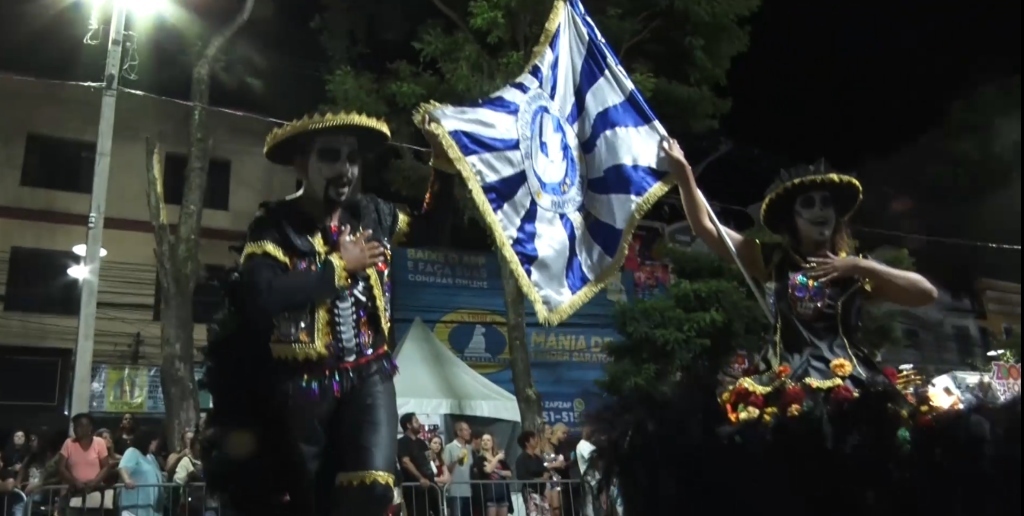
pixel 815 284
pixel 815 426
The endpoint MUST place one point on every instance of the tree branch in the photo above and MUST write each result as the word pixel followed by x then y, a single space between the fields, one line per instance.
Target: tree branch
pixel 722 150
pixel 639 37
pixel 452 15
pixel 190 218
pixel 155 199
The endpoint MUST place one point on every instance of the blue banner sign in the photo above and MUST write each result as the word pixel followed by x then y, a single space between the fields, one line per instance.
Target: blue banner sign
pixel 459 296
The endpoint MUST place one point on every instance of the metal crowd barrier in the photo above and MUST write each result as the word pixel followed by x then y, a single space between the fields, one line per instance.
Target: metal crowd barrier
pixel 500 498
pixel 475 498
pixel 168 499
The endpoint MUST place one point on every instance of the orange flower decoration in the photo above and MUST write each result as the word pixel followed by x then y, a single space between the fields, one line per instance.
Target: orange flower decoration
pixel 783 370
pixel 841 367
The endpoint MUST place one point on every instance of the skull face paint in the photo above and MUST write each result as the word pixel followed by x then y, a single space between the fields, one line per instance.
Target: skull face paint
pixel 332 168
pixel 815 217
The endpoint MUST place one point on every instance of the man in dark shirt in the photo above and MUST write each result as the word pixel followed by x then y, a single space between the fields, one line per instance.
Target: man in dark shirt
pixel 530 466
pixel 422 500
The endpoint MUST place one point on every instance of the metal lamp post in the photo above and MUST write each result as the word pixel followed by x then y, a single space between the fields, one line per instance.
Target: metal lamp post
pixel 82 380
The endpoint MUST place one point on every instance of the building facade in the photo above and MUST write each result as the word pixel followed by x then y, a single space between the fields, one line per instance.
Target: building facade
pixel 1000 301
pixel 47 149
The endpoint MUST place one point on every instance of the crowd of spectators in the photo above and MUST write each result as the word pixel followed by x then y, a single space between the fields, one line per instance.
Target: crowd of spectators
pixel 99 472
pixel 77 475
pixel 474 474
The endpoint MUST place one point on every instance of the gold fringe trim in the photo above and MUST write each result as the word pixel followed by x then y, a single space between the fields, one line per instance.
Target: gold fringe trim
pixel 340 276
pixel 265 247
pixel 547 34
pixel 402 227
pixel 319 122
pixel 761 390
pixel 820 179
pixel 378 297
pixel 452 154
pixel 357 478
pixel 320 347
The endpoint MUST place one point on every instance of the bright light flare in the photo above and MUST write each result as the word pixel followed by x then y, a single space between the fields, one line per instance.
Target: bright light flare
pixel 996 353
pixel 79 272
pixel 80 250
pixel 142 8
pixel 906 367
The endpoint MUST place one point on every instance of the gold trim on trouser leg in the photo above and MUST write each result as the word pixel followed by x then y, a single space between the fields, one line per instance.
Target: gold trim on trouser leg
pixel 355 478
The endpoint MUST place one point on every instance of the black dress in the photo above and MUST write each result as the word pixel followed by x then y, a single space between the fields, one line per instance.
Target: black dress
pixel 497 494
pixel 813 354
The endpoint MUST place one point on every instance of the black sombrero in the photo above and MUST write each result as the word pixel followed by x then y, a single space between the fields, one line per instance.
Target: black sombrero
pixel 283 142
pixel 777 207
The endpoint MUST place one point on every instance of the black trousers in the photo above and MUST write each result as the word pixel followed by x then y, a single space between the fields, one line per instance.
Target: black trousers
pixel 348 444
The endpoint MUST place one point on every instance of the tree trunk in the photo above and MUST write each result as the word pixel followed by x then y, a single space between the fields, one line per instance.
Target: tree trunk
pixel 178 253
pixel 177 374
pixel 519 352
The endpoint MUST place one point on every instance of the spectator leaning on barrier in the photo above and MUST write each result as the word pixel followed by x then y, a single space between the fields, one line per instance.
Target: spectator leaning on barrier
pixel 82 461
pixel 140 473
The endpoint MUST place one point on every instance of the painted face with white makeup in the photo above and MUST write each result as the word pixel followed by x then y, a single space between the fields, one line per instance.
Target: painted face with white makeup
pixel 815 217
pixel 331 168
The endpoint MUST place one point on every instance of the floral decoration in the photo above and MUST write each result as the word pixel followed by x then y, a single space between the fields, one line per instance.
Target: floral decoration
pixel 892 375
pixel 793 395
pixel 842 394
pixel 841 367
pixel 783 370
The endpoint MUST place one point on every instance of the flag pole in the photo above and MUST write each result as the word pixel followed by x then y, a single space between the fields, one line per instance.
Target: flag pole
pixel 757 289
pixel 754 286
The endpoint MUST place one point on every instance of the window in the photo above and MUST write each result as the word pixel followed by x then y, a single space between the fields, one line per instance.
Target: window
pixel 207 298
pixel 29 380
pixel 58 164
pixel 1007 331
pixel 911 335
pixel 986 338
pixel 964 342
pixel 218 181
pixel 38 282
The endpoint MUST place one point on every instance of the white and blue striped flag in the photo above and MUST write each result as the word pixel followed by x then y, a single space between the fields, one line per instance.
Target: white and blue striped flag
pixel 562 163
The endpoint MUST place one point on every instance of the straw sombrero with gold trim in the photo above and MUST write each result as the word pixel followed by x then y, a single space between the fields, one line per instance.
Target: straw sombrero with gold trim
pixel 777 207
pixel 285 141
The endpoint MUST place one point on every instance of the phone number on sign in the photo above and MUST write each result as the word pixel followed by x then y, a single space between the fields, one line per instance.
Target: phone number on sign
pixel 551 417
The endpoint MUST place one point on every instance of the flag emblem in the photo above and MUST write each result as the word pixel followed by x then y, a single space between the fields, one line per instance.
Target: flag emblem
pixel 562 163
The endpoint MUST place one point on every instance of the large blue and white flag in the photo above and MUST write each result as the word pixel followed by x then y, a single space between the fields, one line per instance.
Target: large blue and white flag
pixel 562 163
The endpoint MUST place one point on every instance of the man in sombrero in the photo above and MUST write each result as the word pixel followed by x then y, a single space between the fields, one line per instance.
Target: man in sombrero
pixel 304 419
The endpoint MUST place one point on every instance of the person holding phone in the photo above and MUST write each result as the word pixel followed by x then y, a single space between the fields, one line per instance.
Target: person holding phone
pixel 490 465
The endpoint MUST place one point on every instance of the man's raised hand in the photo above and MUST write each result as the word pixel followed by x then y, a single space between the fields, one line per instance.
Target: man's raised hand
pixel 359 252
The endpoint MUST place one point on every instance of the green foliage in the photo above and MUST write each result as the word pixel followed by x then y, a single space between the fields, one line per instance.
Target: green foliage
pixel 707 315
pixel 880 324
pixel 678 52
pixel 698 324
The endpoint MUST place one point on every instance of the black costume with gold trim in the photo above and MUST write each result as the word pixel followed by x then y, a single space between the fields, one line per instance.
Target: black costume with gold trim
pixel 816 427
pixel 304 420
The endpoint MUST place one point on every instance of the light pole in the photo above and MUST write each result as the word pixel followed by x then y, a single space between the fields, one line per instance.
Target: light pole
pixel 81 387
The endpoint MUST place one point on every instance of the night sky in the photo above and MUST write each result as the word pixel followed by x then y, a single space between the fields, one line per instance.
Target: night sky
pixel 850 81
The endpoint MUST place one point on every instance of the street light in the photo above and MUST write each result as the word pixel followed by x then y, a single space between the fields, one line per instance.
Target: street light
pixel 89 270
pixel 79 272
pixel 81 249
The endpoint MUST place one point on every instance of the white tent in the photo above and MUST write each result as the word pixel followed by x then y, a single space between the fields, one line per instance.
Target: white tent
pixel 433 380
